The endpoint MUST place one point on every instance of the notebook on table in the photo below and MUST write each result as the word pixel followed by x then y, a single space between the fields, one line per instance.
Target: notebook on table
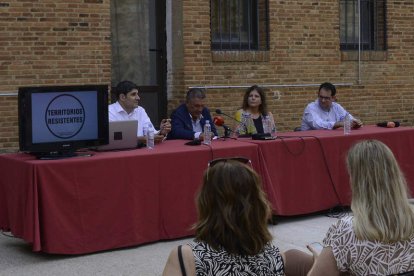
pixel 122 135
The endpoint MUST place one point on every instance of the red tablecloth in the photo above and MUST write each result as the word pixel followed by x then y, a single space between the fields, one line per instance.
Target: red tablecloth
pixel 109 200
pixel 118 199
pixel 306 171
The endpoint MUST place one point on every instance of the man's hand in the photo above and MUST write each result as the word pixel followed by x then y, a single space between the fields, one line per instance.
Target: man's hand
pixel 165 126
pixel 338 125
pixel 356 123
pixel 159 138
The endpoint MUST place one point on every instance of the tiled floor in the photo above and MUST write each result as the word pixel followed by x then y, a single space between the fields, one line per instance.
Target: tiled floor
pixel 16 257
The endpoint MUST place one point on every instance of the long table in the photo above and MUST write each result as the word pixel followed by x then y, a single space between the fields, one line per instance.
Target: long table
pixel 108 200
pixel 305 171
pixel 118 199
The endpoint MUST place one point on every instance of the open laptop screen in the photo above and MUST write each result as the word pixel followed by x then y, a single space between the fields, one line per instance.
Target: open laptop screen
pixel 122 135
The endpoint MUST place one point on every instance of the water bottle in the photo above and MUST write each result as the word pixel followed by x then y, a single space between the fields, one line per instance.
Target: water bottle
pixel 145 131
pixel 347 124
pixel 273 132
pixel 267 125
pixel 150 136
pixel 207 133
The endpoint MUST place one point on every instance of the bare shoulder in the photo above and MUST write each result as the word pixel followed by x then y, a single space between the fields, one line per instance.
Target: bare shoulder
pixel 189 261
pixel 172 267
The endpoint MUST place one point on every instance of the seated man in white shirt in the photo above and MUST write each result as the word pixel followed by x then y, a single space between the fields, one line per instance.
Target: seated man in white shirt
pixel 325 113
pixel 126 108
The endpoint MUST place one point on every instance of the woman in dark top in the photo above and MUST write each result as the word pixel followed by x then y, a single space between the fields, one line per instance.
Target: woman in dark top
pixel 231 236
pixel 254 116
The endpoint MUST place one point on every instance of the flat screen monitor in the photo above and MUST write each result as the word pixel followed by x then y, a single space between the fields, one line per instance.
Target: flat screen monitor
pixel 56 121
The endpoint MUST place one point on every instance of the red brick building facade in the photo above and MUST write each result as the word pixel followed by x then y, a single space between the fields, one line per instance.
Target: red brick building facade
pixel 68 42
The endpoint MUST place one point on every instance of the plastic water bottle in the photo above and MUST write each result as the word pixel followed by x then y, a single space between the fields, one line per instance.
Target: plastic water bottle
pixel 347 124
pixel 145 131
pixel 150 138
pixel 273 132
pixel 267 125
pixel 148 132
pixel 207 133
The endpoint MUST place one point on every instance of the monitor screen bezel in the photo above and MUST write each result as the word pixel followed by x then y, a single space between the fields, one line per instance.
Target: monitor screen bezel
pixel 26 143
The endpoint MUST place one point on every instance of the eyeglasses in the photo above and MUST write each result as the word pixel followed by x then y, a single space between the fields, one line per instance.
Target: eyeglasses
pixel 322 98
pixel 240 159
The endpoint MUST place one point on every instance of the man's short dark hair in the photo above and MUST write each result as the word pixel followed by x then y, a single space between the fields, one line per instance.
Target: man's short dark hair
pixel 192 93
pixel 328 86
pixel 124 87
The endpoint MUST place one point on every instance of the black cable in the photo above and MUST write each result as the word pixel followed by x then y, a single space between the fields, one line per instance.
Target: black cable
pixel 324 160
pixel 301 151
pixel 282 138
pixel 211 150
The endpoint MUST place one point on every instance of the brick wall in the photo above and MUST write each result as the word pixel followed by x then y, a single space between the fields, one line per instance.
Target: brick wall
pixel 47 43
pixel 68 42
pixel 304 49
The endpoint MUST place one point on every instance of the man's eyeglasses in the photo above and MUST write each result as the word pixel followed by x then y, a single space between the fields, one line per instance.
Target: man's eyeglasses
pixel 322 98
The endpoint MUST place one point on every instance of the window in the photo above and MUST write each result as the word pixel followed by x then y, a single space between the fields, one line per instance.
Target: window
pixel 373 24
pixel 239 25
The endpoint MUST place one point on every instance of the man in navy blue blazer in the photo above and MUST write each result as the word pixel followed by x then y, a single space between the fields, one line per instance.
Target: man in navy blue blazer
pixel 187 121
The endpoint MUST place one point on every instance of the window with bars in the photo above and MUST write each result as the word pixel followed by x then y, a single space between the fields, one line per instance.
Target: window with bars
pixel 372 27
pixel 239 25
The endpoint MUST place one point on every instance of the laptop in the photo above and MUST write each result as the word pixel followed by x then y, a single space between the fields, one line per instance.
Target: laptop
pixel 122 135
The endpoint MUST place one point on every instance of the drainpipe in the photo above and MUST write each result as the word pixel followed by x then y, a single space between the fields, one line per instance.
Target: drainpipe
pixel 359 42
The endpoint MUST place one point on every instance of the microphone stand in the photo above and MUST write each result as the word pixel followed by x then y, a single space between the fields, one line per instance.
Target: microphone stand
pixel 227 131
pixel 218 111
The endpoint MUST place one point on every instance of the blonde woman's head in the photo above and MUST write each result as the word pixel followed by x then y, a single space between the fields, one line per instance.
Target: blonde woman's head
pixel 379 193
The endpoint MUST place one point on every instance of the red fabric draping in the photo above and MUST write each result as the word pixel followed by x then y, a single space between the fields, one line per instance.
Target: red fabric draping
pixel 306 171
pixel 108 200
pixel 125 198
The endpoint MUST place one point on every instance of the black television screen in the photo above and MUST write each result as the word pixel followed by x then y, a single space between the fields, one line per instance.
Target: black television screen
pixel 58 120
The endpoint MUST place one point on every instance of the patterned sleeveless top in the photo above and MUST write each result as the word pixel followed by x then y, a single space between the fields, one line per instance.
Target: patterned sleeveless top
pixel 212 262
pixel 366 257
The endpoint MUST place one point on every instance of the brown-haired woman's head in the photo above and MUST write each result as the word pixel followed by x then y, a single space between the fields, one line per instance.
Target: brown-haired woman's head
pixel 260 91
pixel 232 208
pixel 379 194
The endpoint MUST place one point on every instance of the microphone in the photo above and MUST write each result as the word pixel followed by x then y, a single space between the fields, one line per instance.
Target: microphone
pixel 389 124
pixel 219 112
pixel 219 121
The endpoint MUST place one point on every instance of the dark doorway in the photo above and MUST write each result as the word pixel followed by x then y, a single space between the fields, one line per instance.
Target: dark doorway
pixel 138 51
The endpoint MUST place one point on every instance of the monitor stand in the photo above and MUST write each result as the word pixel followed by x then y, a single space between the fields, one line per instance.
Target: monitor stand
pixel 53 155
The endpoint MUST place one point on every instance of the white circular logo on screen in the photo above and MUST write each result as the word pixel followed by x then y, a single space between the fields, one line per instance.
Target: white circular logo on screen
pixel 65 116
